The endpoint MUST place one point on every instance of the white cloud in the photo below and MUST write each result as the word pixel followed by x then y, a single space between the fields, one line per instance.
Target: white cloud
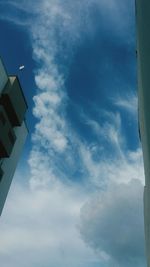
pixel 113 222
pixel 115 164
pixel 128 103
pixel 110 169
pixel 38 227
pixel 109 130
pixel 40 223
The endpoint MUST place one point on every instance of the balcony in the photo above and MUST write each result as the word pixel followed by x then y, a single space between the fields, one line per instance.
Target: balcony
pixel 7 135
pixel 12 98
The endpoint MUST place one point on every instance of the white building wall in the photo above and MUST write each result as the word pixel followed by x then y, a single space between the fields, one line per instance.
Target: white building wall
pixel 9 164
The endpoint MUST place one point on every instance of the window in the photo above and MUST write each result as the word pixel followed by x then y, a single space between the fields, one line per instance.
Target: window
pixel 2 118
pixel 1 174
pixel 11 137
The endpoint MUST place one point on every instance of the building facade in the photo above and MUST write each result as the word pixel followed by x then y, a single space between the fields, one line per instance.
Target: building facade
pixel 143 55
pixel 13 130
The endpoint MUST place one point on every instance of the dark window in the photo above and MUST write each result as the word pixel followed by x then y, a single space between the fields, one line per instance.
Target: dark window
pixel 11 137
pixel 2 118
pixel 1 174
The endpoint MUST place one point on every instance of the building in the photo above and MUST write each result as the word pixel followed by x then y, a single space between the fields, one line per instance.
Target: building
pixel 13 130
pixel 143 55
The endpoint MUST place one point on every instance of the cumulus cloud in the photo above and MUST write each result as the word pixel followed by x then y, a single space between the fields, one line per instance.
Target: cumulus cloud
pixel 113 222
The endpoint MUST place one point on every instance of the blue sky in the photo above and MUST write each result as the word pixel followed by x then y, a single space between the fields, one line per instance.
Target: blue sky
pixel 77 195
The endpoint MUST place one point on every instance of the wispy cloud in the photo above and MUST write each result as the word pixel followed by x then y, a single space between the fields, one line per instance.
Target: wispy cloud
pixel 117 170
pixel 128 103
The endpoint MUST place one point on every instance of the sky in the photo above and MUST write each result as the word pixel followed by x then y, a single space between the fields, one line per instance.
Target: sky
pixel 76 199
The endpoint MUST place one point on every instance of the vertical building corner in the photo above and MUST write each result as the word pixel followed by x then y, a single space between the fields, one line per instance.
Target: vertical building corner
pixel 13 130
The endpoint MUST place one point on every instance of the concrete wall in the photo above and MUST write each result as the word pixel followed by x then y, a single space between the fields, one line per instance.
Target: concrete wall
pixel 143 53
pixel 9 164
pixel 3 76
pixel 12 135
